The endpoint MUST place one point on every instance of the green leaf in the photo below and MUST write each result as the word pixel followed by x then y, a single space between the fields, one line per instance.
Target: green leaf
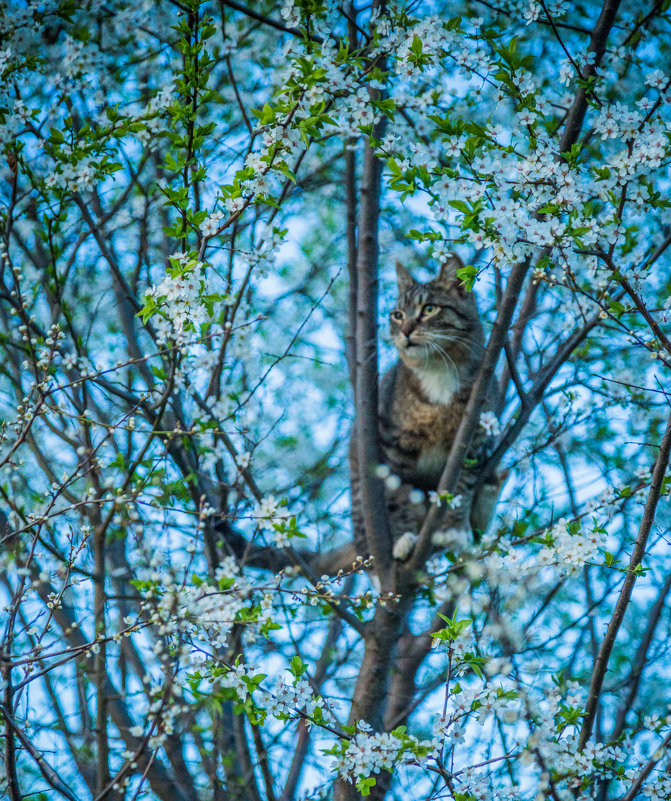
pixel 297 667
pixel 364 785
pixel 266 115
pixel 459 205
pixel 467 276
pixel 453 629
pixel 424 236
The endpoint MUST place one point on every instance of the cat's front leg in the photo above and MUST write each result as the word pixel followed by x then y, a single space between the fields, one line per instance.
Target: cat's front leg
pixel 468 522
pixel 456 532
pixel 453 539
pixel 404 545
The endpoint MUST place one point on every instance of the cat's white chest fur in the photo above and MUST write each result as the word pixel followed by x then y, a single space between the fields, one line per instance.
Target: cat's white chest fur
pixel 439 385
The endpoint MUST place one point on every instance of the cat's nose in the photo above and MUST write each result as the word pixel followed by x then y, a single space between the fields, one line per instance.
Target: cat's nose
pixel 407 328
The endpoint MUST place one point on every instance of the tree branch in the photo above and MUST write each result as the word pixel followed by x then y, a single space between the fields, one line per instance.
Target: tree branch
pixel 597 45
pixel 601 665
pixel 272 23
pixel 317 679
pixel 371 488
pixel 536 393
pixel 10 744
pixel 639 661
pixel 50 776
pixel 647 769
pixel 165 787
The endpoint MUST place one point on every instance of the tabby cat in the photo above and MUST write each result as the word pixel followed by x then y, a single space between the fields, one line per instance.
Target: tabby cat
pixel 437 331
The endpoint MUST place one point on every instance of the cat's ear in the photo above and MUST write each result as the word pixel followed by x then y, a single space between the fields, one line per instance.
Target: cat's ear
pixel 405 280
pixel 448 277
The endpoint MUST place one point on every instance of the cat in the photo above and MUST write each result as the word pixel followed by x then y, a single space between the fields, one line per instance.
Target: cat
pixel 437 332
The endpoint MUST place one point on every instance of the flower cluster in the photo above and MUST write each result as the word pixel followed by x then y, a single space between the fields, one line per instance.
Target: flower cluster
pixel 659 789
pixel 490 424
pixel 273 516
pixel 75 177
pixel 569 547
pixel 369 752
pixel 182 300
pixel 565 546
pixel 287 699
pixel 202 610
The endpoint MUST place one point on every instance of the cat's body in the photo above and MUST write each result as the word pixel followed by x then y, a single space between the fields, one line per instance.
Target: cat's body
pixel 437 332
pixel 418 417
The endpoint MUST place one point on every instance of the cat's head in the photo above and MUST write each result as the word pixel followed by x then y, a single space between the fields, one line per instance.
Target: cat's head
pixel 437 322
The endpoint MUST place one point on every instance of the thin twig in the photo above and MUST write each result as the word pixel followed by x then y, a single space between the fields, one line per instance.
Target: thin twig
pixel 49 774
pixel 647 769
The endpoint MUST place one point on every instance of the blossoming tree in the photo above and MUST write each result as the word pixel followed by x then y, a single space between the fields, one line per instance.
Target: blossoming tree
pixel 202 203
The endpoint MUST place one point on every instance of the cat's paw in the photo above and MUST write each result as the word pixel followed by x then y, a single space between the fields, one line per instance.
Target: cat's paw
pixel 453 539
pixel 404 545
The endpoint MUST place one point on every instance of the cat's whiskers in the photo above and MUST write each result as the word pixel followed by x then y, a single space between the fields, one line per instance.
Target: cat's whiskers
pixel 446 358
pixel 460 340
pixel 427 352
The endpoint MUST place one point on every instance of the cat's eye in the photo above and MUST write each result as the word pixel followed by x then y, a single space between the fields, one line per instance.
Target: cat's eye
pixel 430 309
pixel 397 315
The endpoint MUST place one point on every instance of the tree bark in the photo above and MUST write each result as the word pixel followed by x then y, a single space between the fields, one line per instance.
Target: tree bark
pixel 373 503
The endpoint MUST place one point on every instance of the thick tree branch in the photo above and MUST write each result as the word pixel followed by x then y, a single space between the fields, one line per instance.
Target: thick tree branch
pixel 351 202
pixel 537 392
pixel 11 774
pixel 640 659
pixel 518 329
pixel 572 127
pixel 372 495
pixel 636 672
pixel 597 45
